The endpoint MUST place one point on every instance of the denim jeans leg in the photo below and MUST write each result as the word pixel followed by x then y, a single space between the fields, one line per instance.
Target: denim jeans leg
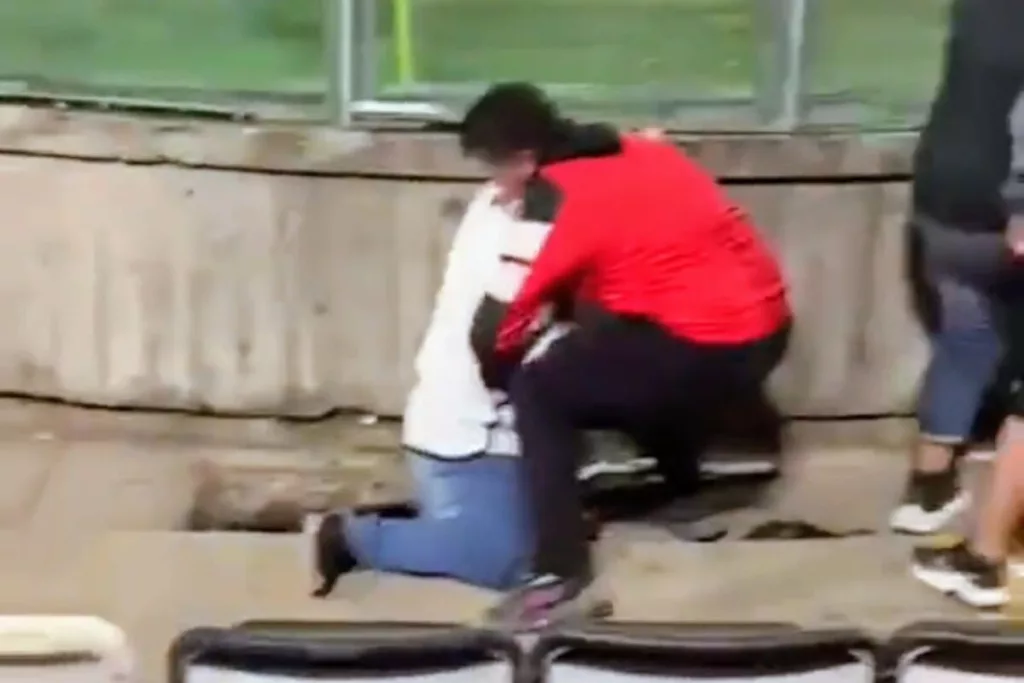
pixel 471 524
pixel 966 350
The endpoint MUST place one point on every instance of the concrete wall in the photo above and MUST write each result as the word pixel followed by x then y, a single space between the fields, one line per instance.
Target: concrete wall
pixel 269 270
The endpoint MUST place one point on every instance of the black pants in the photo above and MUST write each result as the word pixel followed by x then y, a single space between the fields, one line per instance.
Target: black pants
pixel 628 375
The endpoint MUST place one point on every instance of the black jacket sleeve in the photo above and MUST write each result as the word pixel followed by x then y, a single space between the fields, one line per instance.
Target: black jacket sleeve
pixel 495 370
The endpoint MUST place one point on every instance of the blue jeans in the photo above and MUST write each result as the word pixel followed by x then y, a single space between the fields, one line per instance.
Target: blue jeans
pixel 471 524
pixel 963 270
pixel 966 350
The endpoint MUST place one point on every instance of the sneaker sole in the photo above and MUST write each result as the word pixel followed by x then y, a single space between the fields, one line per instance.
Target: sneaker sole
pixel 643 466
pixel 572 612
pixel 957 586
pixel 910 519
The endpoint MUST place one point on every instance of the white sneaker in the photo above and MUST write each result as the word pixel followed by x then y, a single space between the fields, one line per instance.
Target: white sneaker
pixel 957 572
pixel 917 516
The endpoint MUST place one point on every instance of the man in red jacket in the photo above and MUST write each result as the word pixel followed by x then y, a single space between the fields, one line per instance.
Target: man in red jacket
pixel 680 306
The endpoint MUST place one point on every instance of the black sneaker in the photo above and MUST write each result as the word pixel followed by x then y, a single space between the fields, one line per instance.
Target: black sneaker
pixel 957 571
pixel 930 502
pixel 548 600
pixel 333 557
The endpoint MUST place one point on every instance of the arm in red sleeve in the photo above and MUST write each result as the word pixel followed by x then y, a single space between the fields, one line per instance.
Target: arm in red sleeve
pixel 562 258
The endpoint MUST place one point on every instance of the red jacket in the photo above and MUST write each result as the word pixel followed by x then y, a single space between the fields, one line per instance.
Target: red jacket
pixel 639 229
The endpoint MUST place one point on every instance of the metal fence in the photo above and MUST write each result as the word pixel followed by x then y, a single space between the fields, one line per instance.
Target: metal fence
pixel 685 64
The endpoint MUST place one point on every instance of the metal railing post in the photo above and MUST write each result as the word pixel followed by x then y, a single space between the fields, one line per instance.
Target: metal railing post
pixel 781 28
pixel 339 45
pixel 365 49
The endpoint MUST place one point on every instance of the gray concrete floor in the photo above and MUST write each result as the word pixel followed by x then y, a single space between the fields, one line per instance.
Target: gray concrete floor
pixel 86 501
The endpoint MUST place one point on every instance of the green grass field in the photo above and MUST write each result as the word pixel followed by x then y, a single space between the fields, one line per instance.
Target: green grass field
pixel 880 52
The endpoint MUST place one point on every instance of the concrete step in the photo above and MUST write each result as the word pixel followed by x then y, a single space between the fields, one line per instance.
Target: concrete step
pixel 154 584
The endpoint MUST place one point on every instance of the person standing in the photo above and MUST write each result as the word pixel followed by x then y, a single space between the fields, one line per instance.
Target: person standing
pixel 959 217
pixel 974 569
pixel 987 55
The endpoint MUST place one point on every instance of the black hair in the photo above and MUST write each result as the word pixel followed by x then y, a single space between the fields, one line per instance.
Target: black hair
pixel 510 118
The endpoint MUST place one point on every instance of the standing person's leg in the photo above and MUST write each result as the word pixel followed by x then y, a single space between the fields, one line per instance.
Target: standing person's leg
pixel 965 357
pixel 471 525
pixel 974 571
pixel 962 159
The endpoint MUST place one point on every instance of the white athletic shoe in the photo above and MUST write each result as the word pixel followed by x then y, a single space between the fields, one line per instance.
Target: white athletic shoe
pixel 957 572
pixel 930 503
pixel 912 518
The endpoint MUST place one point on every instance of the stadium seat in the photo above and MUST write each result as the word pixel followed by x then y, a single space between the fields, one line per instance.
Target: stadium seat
pixel 290 652
pixel 63 649
pixel 959 652
pixel 718 653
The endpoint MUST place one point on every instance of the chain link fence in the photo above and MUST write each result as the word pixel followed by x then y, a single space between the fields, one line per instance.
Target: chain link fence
pixel 685 64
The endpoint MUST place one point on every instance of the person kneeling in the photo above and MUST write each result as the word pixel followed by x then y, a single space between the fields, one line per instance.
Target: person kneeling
pixel 470 523
pixel 680 307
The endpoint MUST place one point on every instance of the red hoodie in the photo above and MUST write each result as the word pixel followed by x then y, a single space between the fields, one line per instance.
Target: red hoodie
pixel 641 230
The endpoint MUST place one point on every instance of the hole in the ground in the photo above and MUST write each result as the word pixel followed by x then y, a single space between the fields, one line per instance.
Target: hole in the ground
pixel 270 520
pixel 284 518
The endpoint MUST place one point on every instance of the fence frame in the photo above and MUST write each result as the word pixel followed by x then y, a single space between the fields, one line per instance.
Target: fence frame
pixel 786 34
pixel 782 28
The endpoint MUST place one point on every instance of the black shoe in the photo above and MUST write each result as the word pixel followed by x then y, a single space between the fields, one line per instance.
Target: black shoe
pixel 548 600
pixel 959 572
pixel 333 556
pixel 930 502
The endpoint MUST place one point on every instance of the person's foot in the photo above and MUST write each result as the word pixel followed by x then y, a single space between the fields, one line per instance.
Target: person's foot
pixel 931 501
pixel 331 552
pixel 959 572
pixel 547 600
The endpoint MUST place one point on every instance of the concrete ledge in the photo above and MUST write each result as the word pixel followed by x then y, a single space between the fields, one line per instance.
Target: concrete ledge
pixel 404 155
pixel 27 421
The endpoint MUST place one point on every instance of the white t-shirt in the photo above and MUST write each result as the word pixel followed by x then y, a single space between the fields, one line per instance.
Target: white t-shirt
pixel 449 412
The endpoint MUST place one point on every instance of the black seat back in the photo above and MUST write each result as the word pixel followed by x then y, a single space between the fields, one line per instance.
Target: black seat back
pixel 292 652
pixel 958 652
pixel 725 653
